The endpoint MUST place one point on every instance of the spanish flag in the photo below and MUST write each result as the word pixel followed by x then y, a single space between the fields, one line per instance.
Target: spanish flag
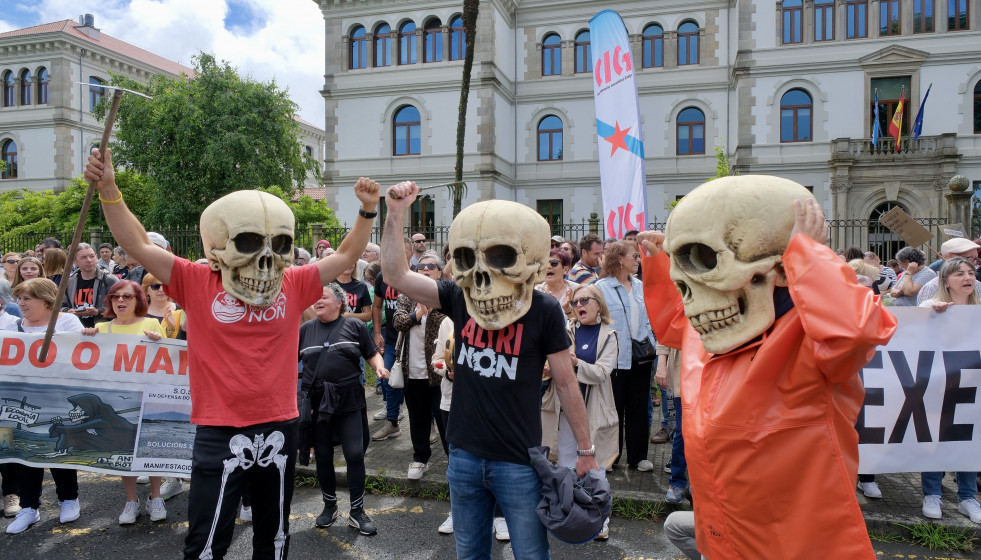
pixel 895 127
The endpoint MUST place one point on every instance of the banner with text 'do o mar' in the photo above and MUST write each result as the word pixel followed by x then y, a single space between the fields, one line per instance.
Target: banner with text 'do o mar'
pixel 922 409
pixel 107 403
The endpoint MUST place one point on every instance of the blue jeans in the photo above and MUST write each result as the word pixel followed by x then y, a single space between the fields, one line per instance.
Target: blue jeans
pixel 393 397
pixel 679 465
pixel 967 484
pixel 475 485
pixel 667 406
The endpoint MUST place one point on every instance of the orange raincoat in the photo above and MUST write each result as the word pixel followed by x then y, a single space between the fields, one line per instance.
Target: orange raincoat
pixel 769 427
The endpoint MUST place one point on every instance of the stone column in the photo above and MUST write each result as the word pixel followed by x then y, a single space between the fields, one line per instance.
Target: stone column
pixel 594 223
pixel 671 49
pixel 445 31
pixel 959 203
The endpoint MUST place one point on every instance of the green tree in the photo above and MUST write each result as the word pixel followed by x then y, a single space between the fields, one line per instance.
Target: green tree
pixel 204 136
pixel 306 210
pixel 722 167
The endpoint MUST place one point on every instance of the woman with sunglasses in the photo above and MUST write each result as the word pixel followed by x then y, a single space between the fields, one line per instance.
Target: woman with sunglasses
pixel 10 262
pixel 555 283
pixel 28 268
pixel 127 310
pixel 161 307
pixel 624 295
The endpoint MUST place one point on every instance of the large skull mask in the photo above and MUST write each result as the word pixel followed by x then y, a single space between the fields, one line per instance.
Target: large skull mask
pixel 726 239
pixel 248 236
pixel 500 251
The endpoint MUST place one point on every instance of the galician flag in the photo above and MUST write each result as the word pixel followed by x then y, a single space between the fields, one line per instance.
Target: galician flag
pixel 620 141
pixel 895 127
pixel 876 126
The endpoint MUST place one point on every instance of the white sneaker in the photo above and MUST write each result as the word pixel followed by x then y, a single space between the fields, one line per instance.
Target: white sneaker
pixel 245 514
pixel 931 507
pixel 70 510
pixel 416 470
pixel 143 480
pixel 447 526
pixel 870 489
pixel 130 512
pixel 380 415
pixel 501 529
pixel 171 487
pixel 605 533
pixel 156 509
pixel 645 466
pixel 24 519
pixel 970 508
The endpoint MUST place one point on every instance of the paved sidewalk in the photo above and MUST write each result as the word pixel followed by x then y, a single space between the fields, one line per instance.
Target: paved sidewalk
pixel 901 500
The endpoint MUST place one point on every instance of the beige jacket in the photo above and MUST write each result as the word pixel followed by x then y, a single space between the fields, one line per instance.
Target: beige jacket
pixel 601 410
pixel 672 358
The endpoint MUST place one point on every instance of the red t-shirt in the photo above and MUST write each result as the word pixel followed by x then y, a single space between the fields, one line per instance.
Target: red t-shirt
pixel 242 359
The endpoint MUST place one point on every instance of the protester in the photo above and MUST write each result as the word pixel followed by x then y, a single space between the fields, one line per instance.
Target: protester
pixel 119 262
pixel 28 268
pixel 10 262
pixel 587 270
pixel 886 277
pixel 679 527
pixel 419 327
pixel 956 286
pixel 87 288
pixel 555 283
pixel 382 312
pixel 556 241
pixel 127 316
pixel 319 249
pixel 105 257
pixel 161 307
pixel 54 264
pixel 914 276
pixel 244 381
pixel 8 485
pixel 330 349
pixel 302 257
pixel 443 366
pixel 955 247
pixel 624 296
pixel 418 248
pixel 571 249
pixel 668 377
pixel 37 298
pixel 370 255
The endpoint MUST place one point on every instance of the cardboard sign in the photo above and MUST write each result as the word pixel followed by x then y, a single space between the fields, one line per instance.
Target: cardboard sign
pixel 905 227
pixel 953 230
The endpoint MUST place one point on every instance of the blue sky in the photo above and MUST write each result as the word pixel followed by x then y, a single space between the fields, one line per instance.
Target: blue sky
pixel 280 39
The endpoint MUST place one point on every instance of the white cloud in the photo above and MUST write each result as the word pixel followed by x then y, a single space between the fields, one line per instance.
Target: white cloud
pixel 288 48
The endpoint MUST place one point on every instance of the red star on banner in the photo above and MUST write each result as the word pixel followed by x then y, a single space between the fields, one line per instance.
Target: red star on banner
pixel 617 139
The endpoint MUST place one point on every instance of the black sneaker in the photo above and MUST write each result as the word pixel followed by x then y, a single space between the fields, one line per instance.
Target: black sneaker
pixel 360 520
pixel 328 517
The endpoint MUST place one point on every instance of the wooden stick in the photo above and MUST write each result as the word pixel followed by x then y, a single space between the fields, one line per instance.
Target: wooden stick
pixel 392 195
pixel 83 214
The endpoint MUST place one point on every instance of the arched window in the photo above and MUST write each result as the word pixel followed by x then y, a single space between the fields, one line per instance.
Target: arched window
pixel 95 92
pixel 550 139
pixel 359 49
pixel 383 45
pixel 434 41
pixel 792 21
pixel 406 138
pixel 25 87
pixel 977 108
pixel 407 43
pixel 458 39
pixel 584 55
pixel 688 43
pixel 653 46
pixel 551 55
pixel 691 132
pixel 42 86
pixel 8 89
pixel 9 155
pixel 882 241
pixel 795 116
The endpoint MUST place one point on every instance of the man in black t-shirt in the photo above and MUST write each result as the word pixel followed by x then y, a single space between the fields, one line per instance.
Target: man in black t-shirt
pixel 87 287
pixel 496 412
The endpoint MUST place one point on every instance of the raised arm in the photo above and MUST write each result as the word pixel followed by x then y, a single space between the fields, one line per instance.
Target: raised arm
pixel 125 228
pixel 395 269
pixel 356 240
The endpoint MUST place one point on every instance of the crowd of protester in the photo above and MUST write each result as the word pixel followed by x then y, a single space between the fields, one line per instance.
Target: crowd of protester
pixel 362 320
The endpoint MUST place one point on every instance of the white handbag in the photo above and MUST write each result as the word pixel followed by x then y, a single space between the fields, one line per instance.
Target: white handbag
pixel 396 377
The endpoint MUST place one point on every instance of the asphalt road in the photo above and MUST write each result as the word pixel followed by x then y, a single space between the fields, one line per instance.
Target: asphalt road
pixel 406 531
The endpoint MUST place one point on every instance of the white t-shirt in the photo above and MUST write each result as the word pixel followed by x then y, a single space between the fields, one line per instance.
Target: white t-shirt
pixel 7 322
pixel 65 323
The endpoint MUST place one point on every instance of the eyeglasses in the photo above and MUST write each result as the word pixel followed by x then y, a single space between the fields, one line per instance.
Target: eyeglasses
pixel 11 261
pixel 418 240
pixel 554 262
pixel 123 297
pixel 581 301
pixel 426 266
pixel 156 286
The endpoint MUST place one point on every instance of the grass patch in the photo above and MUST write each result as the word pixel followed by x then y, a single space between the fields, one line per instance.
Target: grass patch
pixel 633 509
pixel 306 481
pixel 940 537
pixel 886 536
pixel 369 375
pixel 381 485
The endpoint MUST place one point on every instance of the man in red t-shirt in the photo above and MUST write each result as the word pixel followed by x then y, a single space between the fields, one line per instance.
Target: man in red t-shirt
pixel 243 378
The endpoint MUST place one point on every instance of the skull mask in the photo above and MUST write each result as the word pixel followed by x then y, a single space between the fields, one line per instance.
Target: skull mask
pixel 248 236
pixel 500 251
pixel 726 267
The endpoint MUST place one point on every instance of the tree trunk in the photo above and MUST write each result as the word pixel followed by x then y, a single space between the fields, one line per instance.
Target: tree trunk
pixel 470 10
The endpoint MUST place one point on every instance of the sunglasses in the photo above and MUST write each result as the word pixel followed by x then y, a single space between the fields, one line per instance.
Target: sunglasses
pixel 426 266
pixel 581 301
pixel 123 297
pixel 554 262
pixel 156 286
pixel 11 261
pixel 418 240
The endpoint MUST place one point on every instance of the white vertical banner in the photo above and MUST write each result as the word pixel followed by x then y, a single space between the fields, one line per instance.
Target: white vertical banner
pixel 621 142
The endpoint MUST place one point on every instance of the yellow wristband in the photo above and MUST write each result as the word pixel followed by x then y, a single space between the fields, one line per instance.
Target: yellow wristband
pixel 117 201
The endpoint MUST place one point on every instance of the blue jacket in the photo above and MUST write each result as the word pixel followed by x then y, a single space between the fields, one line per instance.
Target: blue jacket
pixel 614 292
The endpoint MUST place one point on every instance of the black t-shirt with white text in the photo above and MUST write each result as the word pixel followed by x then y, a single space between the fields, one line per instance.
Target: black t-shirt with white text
pixel 496 410
pixel 358 296
pixel 390 295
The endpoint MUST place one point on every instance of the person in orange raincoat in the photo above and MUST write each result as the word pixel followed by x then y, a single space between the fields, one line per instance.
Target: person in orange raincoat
pixel 769 424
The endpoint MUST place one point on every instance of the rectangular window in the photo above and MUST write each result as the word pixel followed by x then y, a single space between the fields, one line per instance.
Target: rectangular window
pixel 856 12
pixel 890 90
pixel 824 20
pixel 889 17
pixel 957 15
pixel 653 52
pixel 434 45
pixel 923 16
pixel 407 48
pixel 551 210
pixel 792 24
pixel 551 60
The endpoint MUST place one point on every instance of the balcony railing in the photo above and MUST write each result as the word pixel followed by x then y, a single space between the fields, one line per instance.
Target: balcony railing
pixel 885 148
